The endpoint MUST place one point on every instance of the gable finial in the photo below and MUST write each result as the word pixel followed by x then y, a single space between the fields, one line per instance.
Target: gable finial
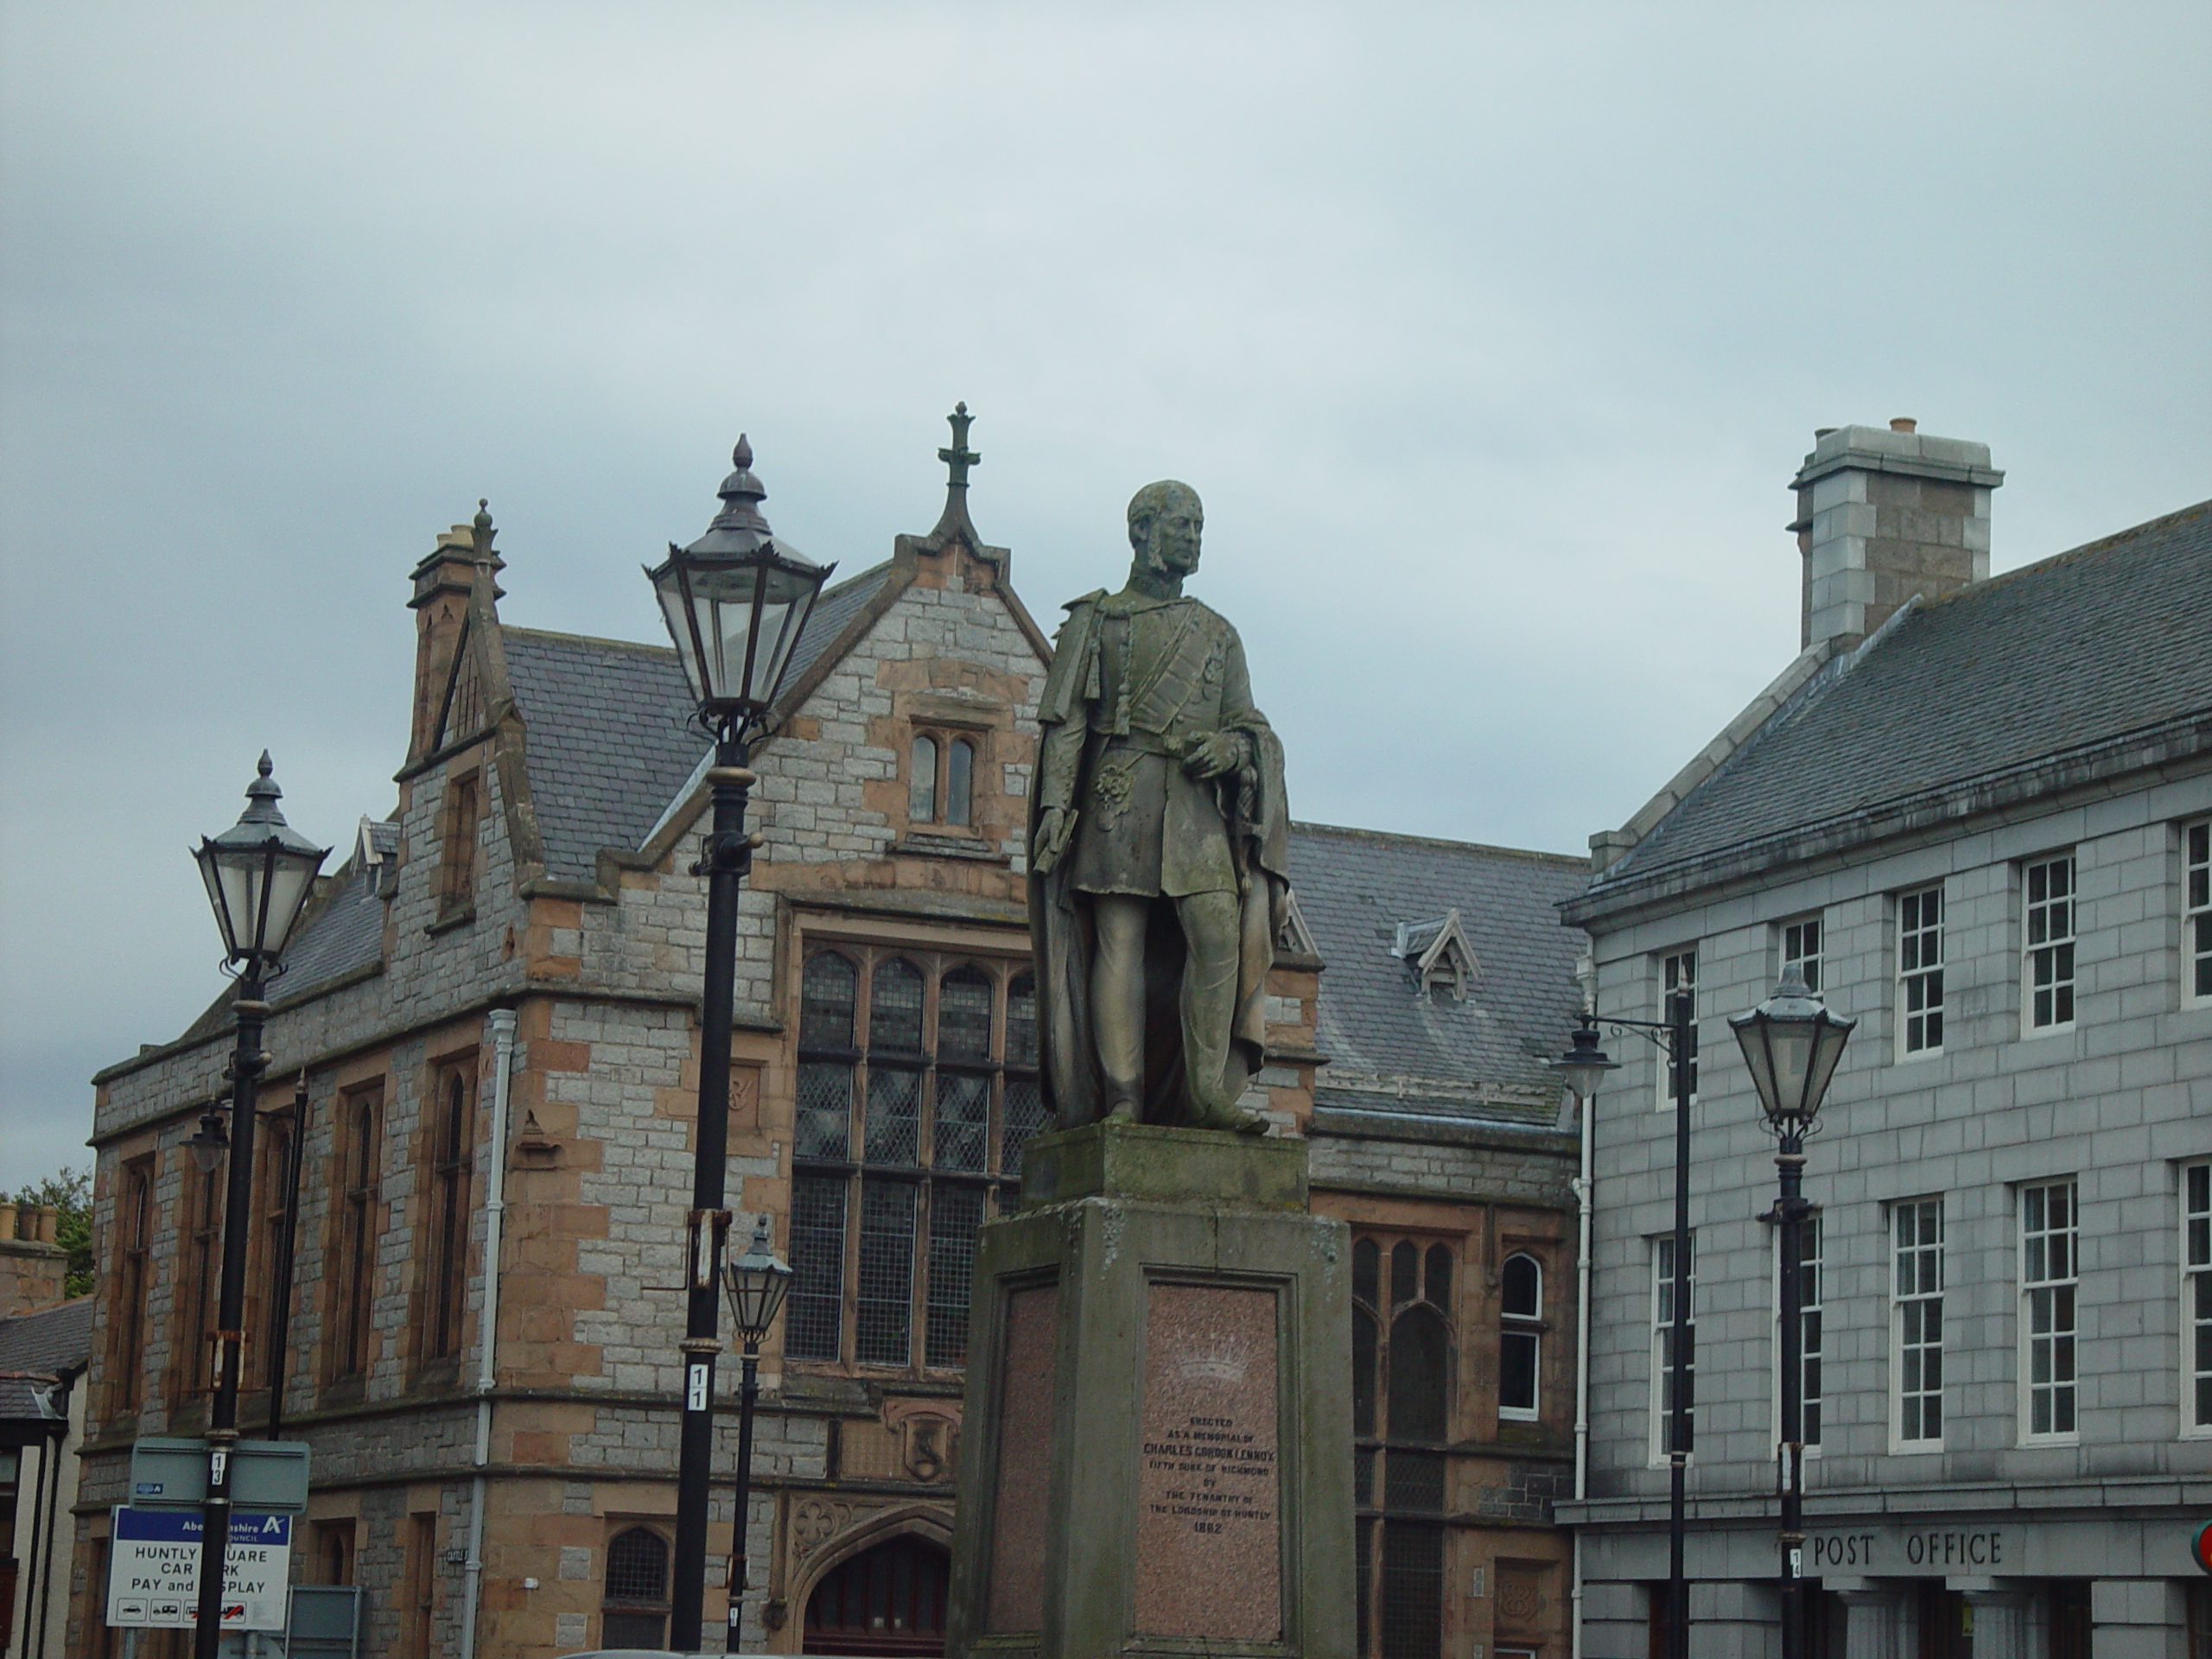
pixel 960 457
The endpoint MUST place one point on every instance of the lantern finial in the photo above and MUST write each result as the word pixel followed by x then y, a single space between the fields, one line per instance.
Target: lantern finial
pixel 262 794
pixel 741 493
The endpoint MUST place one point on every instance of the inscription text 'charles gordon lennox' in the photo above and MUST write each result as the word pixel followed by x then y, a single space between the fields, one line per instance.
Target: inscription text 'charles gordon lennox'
pixel 1209 1493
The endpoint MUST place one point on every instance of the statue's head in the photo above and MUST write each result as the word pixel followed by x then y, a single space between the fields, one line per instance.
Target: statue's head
pixel 1165 523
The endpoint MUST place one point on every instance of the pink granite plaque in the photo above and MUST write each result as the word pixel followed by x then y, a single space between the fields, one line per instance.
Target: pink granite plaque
pixel 1209 1495
pixel 1024 1479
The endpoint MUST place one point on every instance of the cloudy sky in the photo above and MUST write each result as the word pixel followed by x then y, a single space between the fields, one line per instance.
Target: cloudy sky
pixel 1491 335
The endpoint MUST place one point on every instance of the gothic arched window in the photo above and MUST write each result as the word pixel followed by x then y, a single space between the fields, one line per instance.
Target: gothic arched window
pixel 635 1613
pixel 1403 1351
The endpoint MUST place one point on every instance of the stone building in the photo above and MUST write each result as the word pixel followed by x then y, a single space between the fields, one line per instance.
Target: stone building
pixel 44 1347
pixel 1975 810
pixel 490 1026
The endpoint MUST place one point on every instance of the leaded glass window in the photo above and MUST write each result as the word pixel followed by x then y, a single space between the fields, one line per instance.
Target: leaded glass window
pixel 635 1612
pixel 1402 1348
pixel 917 1091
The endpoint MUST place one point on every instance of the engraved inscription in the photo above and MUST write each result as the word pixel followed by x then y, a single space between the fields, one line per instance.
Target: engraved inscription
pixel 1209 1495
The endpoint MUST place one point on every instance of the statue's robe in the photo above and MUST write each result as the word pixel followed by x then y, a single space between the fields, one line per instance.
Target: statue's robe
pixel 1135 684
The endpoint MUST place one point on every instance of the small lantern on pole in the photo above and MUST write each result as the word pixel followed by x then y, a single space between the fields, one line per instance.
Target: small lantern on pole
pixel 757 1282
pixel 1584 1065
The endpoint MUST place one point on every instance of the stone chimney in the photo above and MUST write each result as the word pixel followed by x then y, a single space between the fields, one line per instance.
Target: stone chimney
pixel 442 583
pixel 33 1267
pixel 1882 515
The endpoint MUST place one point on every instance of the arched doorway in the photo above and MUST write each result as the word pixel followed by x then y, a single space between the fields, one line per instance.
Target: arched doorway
pixel 886 1600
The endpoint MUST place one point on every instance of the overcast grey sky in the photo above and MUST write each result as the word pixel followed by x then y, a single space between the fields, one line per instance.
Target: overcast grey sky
pixel 1491 336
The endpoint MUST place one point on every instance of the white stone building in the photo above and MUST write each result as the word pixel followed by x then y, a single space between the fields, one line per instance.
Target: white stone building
pixel 1976 809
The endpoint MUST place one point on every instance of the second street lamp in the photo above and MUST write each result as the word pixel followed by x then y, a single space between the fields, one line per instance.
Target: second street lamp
pixel 1582 1067
pixel 1792 1043
pixel 260 873
pixel 756 1281
pixel 735 601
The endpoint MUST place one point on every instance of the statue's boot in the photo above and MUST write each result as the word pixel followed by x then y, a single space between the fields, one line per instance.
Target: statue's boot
pixel 1234 1119
pixel 1209 1007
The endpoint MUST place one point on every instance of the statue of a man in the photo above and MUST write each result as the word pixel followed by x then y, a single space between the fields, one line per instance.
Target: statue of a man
pixel 1159 837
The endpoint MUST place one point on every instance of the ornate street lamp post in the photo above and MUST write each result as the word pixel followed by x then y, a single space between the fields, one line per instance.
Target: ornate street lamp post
pixel 260 873
pixel 756 1282
pixel 735 602
pixel 1792 1043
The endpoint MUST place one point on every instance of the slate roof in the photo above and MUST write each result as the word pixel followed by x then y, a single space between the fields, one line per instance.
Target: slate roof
pixel 50 1343
pixel 606 724
pixel 345 933
pixel 832 612
pixel 2110 638
pixel 1482 1058
pixel 609 732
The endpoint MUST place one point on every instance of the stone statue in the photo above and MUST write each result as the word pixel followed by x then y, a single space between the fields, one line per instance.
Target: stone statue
pixel 1157 847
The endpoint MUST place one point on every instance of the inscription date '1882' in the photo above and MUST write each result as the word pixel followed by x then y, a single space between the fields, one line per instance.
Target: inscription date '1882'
pixel 1209 1530
pixel 1224 1475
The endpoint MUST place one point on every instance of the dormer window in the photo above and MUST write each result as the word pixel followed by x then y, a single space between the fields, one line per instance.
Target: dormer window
pixel 376 855
pixel 1439 957
pixel 1294 938
pixel 941 779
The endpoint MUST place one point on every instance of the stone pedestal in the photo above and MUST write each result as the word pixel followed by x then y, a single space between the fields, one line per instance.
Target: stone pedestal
pixel 1157 1457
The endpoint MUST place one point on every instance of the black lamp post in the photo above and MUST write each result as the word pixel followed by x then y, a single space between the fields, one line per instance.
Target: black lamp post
pixel 260 873
pixel 756 1282
pixel 735 602
pixel 1792 1043
pixel 1582 1066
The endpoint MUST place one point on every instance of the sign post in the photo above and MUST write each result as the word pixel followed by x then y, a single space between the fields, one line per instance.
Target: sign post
pixel 154 1570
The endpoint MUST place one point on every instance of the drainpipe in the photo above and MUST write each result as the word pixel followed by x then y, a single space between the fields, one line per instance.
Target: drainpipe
pixel 501 1022
pixel 1583 1189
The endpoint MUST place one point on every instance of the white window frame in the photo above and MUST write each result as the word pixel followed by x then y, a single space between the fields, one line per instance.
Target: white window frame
pixel 2050 1324
pixel 1663 1292
pixel 1916 1297
pixel 1674 968
pixel 1523 1327
pixel 1800 942
pixel 2049 941
pixel 1811 1311
pixel 1920 974
pixel 2197 914
pixel 2195 1398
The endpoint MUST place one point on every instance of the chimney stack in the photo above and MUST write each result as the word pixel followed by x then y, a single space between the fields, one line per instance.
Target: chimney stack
pixel 1884 514
pixel 443 582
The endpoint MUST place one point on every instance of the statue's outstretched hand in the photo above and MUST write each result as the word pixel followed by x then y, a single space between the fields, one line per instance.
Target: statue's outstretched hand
pixel 1054 825
pixel 1220 753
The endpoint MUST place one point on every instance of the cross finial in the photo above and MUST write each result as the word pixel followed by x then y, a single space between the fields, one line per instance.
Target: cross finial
pixel 960 457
